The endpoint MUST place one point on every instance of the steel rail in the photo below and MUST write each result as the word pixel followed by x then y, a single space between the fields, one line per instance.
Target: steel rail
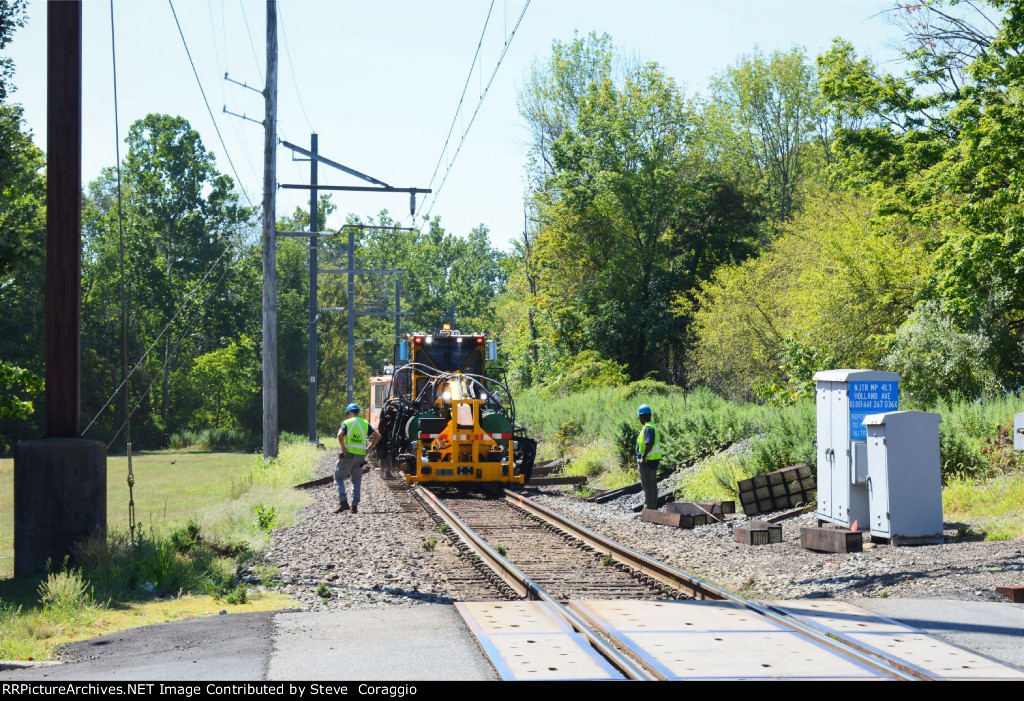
pixel 700 589
pixel 526 587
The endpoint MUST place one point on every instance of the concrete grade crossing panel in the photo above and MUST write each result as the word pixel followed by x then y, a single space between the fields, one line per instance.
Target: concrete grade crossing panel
pixel 914 648
pixel 527 640
pixel 694 640
pixel 714 640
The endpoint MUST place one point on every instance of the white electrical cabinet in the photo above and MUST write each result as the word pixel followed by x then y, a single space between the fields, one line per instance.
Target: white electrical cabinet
pixel 1018 431
pixel 904 477
pixel 843 399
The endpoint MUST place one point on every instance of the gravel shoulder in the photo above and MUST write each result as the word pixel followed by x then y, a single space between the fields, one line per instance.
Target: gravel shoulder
pixel 373 559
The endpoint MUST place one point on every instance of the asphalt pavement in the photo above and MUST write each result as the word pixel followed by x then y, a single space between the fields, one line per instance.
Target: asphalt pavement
pixel 410 644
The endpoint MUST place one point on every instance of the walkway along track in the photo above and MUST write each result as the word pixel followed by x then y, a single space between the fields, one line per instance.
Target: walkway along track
pixel 651 573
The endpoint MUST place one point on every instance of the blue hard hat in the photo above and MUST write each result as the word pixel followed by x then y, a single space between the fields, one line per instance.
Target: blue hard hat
pixel 644 410
pixel 352 407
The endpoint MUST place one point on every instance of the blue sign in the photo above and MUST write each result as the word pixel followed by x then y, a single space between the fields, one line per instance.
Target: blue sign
pixel 868 398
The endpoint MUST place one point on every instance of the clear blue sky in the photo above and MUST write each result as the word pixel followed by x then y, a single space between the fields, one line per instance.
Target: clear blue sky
pixel 379 81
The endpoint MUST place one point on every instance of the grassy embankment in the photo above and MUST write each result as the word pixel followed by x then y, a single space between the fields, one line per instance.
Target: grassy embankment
pixel 203 517
pixel 596 428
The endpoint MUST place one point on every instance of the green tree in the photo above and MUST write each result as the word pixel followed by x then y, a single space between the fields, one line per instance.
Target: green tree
pixel 833 287
pixel 185 268
pixel 12 17
pixel 629 216
pixel 22 229
pixel 224 381
pixel 763 111
pixel 941 145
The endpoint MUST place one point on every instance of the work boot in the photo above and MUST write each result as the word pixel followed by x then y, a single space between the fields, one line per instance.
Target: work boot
pixel 355 509
pixel 342 506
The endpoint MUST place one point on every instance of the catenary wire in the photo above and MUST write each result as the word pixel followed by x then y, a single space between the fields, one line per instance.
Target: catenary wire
pixel 462 141
pixel 458 107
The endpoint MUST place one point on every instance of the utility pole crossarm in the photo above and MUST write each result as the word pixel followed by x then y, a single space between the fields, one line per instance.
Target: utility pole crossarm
pixel 333 164
pixel 363 272
pixel 359 188
pixel 306 234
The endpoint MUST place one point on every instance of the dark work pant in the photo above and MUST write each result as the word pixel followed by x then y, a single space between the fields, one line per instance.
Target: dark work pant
pixel 649 481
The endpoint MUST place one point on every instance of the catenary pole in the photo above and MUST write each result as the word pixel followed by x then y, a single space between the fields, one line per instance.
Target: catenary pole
pixel 351 314
pixel 314 226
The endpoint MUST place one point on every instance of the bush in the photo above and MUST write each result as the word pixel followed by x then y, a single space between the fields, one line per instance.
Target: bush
pixel 646 388
pixel 586 370
pixel 155 565
pixel 266 517
pixel 288 438
pixel 713 480
pixel 568 430
pixel 936 360
pixel 186 538
pixel 591 461
pixel 959 458
pixel 209 439
pixel 786 438
pixel 66 590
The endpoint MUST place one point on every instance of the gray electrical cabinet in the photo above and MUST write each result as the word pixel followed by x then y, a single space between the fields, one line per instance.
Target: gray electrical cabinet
pixel 1018 431
pixel 843 399
pixel 904 477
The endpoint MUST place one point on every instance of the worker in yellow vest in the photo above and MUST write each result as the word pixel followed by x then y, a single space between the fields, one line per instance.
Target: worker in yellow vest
pixel 357 438
pixel 648 456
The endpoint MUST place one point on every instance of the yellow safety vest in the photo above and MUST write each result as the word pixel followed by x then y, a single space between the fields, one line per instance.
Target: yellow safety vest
pixel 356 432
pixel 655 453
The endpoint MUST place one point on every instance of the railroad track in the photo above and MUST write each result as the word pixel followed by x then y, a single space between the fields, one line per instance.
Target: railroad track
pixel 537 554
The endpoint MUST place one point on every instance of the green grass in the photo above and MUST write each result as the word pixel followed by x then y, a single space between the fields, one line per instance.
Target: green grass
pixel 170 488
pixel 994 507
pixel 218 490
pixel 201 516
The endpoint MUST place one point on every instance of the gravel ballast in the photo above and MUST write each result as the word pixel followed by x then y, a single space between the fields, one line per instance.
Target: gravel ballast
pixel 377 559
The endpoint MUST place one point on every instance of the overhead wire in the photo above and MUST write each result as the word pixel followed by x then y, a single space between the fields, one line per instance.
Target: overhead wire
pixel 193 317
pixel 223 94
pixel 126 403
pixel 291 66
pixel 480 102
pixel 252 44
pixel 207 103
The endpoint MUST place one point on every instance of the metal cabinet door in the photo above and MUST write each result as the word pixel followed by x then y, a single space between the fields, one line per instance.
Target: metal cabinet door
pixel 840 477
pixel 823 402
pixel 878 481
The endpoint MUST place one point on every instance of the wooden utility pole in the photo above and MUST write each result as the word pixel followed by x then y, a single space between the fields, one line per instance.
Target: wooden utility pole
pixel 270 241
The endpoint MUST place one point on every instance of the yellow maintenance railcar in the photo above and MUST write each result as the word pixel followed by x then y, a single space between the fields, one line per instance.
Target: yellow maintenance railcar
pixel 448 421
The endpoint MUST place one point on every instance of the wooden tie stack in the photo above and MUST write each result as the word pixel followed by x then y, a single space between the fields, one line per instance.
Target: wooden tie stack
pixel 689 514
pixel 782 489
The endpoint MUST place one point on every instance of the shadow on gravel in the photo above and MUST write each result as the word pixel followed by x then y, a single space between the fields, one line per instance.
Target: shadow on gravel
pixel 941 571
pixel 410 594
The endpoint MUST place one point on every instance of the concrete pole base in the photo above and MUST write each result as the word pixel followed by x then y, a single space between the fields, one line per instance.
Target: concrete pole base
pixel 60 498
